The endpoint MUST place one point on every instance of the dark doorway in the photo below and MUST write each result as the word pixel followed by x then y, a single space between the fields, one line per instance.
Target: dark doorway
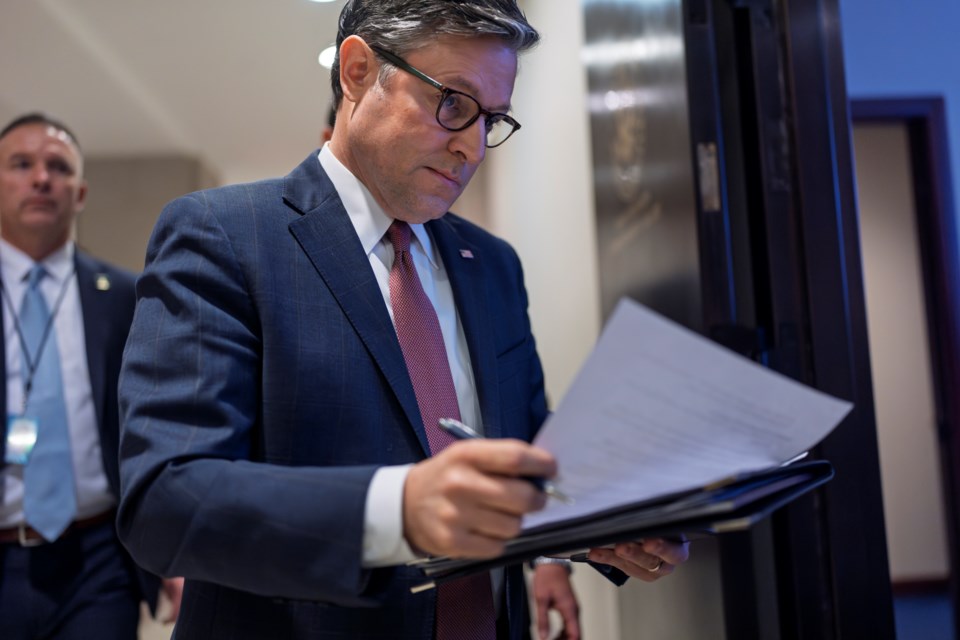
pixel 909 233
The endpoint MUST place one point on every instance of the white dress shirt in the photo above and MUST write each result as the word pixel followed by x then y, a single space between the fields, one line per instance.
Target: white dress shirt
pixel 383 542
pixel 93 491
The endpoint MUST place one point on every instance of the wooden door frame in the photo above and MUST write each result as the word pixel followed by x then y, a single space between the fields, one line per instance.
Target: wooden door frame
pixel 925 120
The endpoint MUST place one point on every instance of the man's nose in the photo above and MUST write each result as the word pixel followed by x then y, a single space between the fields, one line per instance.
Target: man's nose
pixel 41 176
pixel 471 142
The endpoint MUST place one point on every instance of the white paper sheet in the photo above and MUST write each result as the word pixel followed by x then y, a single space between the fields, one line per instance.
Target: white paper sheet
pixel 657 409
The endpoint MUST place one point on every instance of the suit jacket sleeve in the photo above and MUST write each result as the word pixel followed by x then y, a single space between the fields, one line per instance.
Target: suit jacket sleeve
pixel 199 496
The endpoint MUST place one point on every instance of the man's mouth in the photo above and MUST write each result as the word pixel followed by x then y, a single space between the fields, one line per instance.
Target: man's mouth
pixel 37 202
pixel 451 177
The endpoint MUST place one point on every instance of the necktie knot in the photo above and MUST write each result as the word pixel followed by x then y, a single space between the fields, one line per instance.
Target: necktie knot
pixel 399 235
pixel 35 275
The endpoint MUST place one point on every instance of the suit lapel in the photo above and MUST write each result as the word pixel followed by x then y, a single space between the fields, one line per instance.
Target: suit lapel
pixel 94 324
pixel 464 265
pixel 328 239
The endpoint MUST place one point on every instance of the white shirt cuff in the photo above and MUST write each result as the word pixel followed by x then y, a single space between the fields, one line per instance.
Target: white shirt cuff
pixel 383 541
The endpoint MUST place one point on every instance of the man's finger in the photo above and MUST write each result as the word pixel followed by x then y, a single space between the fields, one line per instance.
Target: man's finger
pixel 672 551
pixel 505 457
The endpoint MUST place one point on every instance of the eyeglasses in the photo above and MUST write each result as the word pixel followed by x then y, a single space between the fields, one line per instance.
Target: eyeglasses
pixel 456 110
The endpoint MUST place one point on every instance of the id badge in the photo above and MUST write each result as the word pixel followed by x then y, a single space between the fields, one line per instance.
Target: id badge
pixel 21 436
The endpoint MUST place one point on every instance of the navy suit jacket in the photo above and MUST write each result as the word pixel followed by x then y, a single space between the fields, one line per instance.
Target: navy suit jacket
pixel 107 314
pixel 263 385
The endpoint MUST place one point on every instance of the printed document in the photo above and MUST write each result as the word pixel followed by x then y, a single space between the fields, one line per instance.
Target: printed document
pixel 658 409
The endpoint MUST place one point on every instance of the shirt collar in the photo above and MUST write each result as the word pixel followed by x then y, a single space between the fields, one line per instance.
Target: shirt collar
pixel 369 219
pixel 16 264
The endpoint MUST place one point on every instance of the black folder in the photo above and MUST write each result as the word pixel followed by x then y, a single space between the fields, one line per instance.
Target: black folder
pixel 734 504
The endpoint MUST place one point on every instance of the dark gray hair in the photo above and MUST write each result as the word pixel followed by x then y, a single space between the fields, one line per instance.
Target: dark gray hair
pixel 401 26
pixel 38 117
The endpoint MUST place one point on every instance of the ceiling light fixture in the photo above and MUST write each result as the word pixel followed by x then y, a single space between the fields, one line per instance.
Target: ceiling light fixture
pixel 327 55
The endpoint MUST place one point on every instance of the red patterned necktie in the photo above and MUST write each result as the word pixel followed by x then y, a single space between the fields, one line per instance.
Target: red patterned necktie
pixel 464 607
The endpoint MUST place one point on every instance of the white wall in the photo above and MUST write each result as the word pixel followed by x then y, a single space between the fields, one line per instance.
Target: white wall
pixel 541 192
pixel 540 198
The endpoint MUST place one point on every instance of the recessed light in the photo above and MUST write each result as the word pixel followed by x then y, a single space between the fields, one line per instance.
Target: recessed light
pixel 327 55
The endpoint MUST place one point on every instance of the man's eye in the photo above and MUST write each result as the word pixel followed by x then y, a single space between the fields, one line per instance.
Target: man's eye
pixel 60 167
pixel 453 103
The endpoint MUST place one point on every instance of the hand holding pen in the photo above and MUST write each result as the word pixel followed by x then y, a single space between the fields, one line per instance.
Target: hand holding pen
pixel 468 500
pixel 461 431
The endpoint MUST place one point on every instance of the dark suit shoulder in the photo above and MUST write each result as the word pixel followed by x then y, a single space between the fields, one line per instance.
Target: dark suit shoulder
pixel 95 274
pixel 474 234
pixel 93 264
pixel 303 189
pixel 234 198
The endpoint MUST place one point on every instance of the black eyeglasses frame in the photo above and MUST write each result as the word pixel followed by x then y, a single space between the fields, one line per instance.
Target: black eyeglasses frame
pixel 445 92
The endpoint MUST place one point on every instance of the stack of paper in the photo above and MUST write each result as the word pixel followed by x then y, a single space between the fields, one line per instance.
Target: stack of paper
pixel 666 433
pixel 657 409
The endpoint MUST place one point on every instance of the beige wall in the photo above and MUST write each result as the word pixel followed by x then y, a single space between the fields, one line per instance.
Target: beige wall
pixel 903 391
pixel 124 199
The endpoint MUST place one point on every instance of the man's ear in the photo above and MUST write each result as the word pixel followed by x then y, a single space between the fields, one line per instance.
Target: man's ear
pixel 81 197
pixel 358 69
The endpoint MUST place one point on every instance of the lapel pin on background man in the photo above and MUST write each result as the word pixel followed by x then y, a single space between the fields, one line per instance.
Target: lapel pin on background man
pixel 63 572
pixel 296 341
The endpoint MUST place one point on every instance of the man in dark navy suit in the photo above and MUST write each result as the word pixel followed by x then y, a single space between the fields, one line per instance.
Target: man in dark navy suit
pixel 63 572
pixel 295 341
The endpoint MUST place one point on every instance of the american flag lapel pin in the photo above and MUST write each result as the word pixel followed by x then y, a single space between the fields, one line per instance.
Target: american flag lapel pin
pixel 466 253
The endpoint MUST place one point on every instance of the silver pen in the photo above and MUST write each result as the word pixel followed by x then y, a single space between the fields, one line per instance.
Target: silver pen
pixel 461 431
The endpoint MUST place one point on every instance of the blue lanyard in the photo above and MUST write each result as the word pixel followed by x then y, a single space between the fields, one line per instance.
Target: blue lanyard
pixel 33 363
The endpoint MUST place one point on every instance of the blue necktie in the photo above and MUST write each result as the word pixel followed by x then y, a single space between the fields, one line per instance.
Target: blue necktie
pixel 49 500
